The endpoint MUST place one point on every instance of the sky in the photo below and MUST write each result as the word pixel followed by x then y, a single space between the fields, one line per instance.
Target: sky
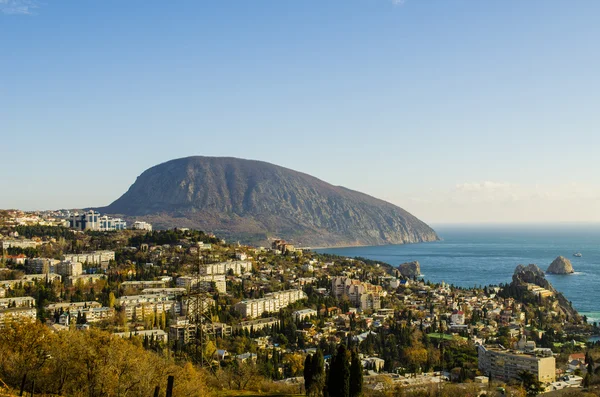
pixel 459 111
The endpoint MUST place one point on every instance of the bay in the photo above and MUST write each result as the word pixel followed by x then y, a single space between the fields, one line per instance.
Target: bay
pixel 476 255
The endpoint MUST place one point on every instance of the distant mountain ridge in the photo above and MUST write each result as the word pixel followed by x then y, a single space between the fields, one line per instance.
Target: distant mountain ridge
pixel 253 201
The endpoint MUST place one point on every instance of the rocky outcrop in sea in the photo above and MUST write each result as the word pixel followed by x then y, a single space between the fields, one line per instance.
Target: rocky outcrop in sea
pixel 410 269
pixel 560 265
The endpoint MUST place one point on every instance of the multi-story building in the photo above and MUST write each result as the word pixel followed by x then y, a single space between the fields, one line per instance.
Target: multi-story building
pixel 182 331
pixel 156 334
pixel 84 279
pixel 236 267
pixel 20 302
pixel 41 265
pixel 207 282
pixel 71 306
pixel 92 258
pixel 92 220
pixel 370 301
pixel 457 317
pixel 255 325
pixel 31 279
pixel 364 295
pixel 140 306
pixel 506 364
pixel 144 284
pixel 69 268
pixel 138 225
pixel 17 314
pixel 165 291
pixel 8 243
pixel 300 315
pixel 270 303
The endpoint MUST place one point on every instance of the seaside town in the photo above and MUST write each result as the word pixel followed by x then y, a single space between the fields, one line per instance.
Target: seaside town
pixel 268 318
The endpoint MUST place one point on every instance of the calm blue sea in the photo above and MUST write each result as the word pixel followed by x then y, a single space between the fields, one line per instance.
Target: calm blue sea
pixel 483 255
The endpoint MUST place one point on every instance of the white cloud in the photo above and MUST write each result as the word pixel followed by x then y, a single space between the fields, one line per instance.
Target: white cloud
pixel 482 186
pixel 17 7
pixel 398 2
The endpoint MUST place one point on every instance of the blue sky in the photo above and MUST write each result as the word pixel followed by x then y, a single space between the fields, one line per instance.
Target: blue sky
pixel 458 111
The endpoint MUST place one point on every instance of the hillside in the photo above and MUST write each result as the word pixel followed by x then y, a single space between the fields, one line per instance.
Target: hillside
pixel 253 201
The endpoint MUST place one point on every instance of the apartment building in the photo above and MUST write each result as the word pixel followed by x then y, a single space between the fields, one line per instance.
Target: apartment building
pixel 17 314
pixel 139 225
pixel 156 334
pixel 270 303
pixel 92 258
pixel 364 295
pixel 139 306
pixel 144 284
pixel 14 243
pixel 41 265
pixel 258 324
pixel 20 302
pixel 206 282
pixel 236 267
pixel 69 268
pixel 506 364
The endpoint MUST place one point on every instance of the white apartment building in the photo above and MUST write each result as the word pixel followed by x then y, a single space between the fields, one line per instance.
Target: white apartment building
pixel 364 295
pixel 257 324
pixel 72 306
pixel 138 225
pixel 139 306
pixel 69 268
pixel 270 303
pixel 92 258
pixel 236 267
pixel 17 314
pixel 157 334
pixel 188 282
pixel 41 265
pixel 12 243
pixel 144 284
pixel 20 302
pixel 165 291
pixel 506 365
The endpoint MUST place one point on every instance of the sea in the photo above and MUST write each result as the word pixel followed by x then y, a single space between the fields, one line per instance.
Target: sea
pixel 470 255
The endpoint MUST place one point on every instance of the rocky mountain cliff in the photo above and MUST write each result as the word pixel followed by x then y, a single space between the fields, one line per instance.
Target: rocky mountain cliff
pixel 532 274
pixel 253 201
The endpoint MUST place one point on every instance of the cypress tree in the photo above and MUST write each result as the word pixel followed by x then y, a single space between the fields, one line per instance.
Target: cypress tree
pixel 308 375
pixel 339 374
pixel 318 373
pixel 356 375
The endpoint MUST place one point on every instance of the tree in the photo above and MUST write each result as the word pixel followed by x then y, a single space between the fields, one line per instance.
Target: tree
pixel 531 384
pixel 356 375
pixel 308 375
pixel 318 374
pixel 111 300
pixel 339 374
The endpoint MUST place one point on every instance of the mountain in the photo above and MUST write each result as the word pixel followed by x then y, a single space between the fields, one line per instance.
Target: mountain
pixel 253 201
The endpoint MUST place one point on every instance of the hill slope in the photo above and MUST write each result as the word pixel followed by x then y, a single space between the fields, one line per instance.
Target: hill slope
pixel 253 200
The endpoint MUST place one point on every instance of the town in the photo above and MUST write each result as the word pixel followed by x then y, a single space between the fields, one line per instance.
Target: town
pixel 253 318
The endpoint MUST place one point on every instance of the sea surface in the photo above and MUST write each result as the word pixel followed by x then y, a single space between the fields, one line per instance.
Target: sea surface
pixel 484 255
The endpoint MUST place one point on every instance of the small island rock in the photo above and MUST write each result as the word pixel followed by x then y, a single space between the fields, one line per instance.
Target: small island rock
pixel 410 269
pixel 560 265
